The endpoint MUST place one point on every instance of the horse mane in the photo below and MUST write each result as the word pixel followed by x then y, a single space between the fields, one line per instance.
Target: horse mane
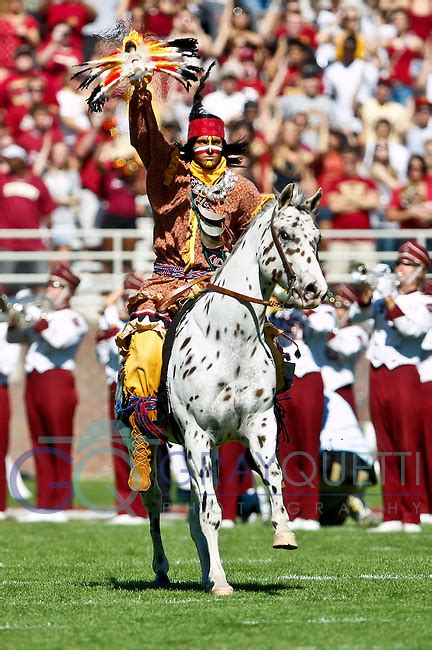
pixel 297 200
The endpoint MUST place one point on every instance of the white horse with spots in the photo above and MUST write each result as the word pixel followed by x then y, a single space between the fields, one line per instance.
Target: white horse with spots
pixel 221 377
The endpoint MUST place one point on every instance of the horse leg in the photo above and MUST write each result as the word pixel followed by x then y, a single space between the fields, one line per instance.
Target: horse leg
pixel 261 436
pixel 152 500
pixel 208 514
pixel 199 540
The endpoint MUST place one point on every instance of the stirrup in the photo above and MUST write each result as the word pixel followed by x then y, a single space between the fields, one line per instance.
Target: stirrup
pixel 140 472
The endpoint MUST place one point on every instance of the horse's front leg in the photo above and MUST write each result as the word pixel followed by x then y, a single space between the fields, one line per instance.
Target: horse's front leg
pixel 152 500
pixel 207 511
pixel 261 436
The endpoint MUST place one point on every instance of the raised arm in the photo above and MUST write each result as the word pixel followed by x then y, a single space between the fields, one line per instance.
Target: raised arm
pixel 154 151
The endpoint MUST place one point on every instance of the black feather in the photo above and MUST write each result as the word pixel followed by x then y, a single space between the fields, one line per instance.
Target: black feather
pixel 189 46
pixel 96 103
pixel 197 110
pixel 186 73
pixel 85 83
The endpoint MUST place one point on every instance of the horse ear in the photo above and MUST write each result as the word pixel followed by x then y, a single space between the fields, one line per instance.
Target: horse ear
pixel 286 195
pixel 313 202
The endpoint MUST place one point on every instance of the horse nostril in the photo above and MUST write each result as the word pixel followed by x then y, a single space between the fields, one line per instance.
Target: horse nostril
pixel 312 289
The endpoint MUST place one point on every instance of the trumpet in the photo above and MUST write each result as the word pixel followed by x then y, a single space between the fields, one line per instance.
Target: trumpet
pixel 23 310
pixel 380 278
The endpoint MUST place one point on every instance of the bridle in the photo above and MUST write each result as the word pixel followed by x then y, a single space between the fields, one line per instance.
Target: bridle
pixel 287 268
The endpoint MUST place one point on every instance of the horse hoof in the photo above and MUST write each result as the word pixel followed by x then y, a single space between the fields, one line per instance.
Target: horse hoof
pixel 285 540
pixel 162 582
pixel 222 591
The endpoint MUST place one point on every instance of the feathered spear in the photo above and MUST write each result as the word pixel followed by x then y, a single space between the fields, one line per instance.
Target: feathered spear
pixel 138 57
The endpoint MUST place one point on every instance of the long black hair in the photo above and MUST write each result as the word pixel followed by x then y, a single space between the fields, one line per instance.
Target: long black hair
pixel 233 152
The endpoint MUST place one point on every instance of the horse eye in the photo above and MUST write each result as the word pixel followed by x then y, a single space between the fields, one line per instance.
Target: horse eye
pixel 284 235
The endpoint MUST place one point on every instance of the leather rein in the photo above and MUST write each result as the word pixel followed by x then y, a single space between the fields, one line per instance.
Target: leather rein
pixel 259 301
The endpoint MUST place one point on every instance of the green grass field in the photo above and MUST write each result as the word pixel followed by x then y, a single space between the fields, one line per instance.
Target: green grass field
pixel 88 585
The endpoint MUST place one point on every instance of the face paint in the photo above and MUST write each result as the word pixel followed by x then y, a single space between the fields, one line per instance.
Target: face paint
pixel 210 147
pixel 202 149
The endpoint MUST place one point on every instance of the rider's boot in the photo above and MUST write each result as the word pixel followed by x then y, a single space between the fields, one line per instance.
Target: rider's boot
pixel 139 477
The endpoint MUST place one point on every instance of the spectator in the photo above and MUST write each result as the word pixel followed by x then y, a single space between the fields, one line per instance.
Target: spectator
pixel 349 81
pixel 16 28
pixel 313 103
pixel 86 150
pixel 403 50
pixel 155 17
pixel 120 171
pixel 42 127
pixel 73 111
pixel 328 163
pixel 382 107
pixel 398 153
pixel 185 25
pixel 386 179
pixel 420 17
pixel 350 199
pixel 228 103
pixel 24 87
pixel 411 204
pixel 291 159
pixel 24 203
pixel 59 54
pixel 421 129
pixel 76 13
pixel 64 184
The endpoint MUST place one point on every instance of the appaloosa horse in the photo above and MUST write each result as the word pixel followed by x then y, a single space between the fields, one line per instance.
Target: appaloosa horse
pixel 221 377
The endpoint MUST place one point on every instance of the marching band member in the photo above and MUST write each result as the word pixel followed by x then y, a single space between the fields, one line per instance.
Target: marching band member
pixel 346 462
pixel 401 321
pixel 344 345
pixel 425 372
pixel 347 466
pixel 9 354
pixel 50 393
pixel 235 479
pixel 303 412
pixel 130 509
pixel 200 208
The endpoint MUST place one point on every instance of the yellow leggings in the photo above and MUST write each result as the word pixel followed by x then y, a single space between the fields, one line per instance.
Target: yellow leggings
pixel 141 372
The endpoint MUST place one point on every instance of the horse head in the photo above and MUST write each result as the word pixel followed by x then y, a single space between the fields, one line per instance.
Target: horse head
pixel 289 256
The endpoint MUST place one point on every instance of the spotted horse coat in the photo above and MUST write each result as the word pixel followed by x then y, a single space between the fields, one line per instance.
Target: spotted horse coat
pixel 221 378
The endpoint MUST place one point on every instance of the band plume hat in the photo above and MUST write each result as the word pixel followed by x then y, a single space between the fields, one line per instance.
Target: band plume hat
pixel 414 253
pixel 61 272
pixel 345 292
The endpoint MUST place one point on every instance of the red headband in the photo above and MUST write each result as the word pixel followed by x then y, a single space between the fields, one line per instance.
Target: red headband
pixel 206 126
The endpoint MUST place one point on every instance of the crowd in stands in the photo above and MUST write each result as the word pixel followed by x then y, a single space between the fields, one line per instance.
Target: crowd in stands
pixel 330 93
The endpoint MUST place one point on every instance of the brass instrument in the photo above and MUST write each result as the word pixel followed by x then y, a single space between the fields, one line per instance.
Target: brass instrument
pixel 17 309
pixel 380 278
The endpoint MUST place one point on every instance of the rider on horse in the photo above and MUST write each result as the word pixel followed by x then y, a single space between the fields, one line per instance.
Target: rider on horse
pixel 200 208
